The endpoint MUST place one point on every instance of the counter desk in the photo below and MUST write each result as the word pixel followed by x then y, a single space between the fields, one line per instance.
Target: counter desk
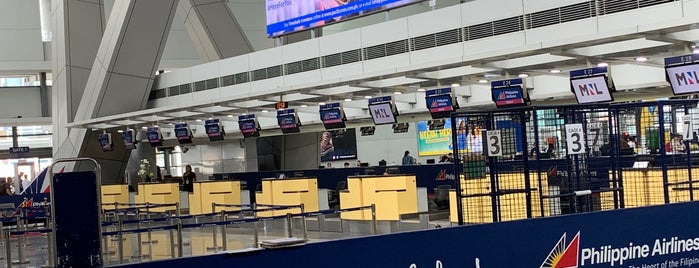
pixel 644 187
pixel 207 192
pixel 158 193
pixel 116 193
pixel 392 196
pixel 288 192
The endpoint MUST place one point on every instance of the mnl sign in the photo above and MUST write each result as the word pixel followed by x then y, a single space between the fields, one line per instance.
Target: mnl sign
pixel 591 89
pixel 683 79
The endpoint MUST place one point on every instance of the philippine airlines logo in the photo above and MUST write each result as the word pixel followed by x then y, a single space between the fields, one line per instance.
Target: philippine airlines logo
pixel 502 96
pixel 563 255
pixel 434 104
pixel 444 176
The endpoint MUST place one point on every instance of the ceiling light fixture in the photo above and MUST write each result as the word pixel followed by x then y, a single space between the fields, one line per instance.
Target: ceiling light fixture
pixel 420 89
pixel 321 103
pixel 265 111
pixel 602 64
pixel 229 116
pixel 367 97
pixel 397 93
pixel 554 71
pixel 523 75
pixel 348 99
pixel 455 85
pixel 304 105
pixel 695 51
pixel 198 120
pixel 641 59
pixel 482 81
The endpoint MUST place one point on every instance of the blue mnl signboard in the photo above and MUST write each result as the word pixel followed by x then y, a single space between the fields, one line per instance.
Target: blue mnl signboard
pixel 17 150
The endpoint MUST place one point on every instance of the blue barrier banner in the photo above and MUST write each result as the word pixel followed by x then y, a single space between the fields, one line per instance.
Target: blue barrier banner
pixel 620 238
pixel 77 221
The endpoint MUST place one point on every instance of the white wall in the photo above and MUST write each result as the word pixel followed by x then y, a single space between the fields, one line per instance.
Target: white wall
pixel 20 101
pixel 20 31
pixel 215 157
pixel 386 145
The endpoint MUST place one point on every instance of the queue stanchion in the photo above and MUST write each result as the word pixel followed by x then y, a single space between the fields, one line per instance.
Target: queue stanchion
pixel 256 236
pixel 303 224
pixel 20 240
pixel 215 247
pixel 180 248
pixel 120 237
pixel 8 248
pixel 224 242
pixel 288 225
pixel 138 238
pixel 373 219
pixel 172 241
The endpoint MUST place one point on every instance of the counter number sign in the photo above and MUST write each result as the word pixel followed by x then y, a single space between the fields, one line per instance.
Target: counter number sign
pixel 687 124
pixel 575 139
pixel 493 143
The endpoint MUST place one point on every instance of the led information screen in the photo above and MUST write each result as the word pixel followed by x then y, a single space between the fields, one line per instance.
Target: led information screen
pixel 105 140
pixel 213 130
pixel 683 78
pixel 434 142
pixel 129 139
pixel 508 96
pixel 288 16
pixel 382 113
pixel 441 103
pixel 591 89
pixel 338 145
pixel 154 136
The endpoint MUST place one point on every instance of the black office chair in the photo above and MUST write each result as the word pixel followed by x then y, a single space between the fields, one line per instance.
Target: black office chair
pixel 441 196
pixel 334 195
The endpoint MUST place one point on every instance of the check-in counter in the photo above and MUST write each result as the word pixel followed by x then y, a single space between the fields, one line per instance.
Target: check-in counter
pixel 207 192
pixel 117 193
pixel 158 193
pixel 288 192
pixel 392 195
pixel 644 187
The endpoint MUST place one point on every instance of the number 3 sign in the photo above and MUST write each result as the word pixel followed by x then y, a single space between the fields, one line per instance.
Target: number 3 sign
pixel 494 143
pixel 575 139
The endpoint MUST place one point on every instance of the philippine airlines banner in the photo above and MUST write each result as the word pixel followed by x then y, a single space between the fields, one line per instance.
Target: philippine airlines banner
pixel 648 237
pixel 287 16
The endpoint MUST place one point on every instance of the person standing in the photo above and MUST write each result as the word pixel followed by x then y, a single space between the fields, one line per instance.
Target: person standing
pixel 188 179
pixel 407 159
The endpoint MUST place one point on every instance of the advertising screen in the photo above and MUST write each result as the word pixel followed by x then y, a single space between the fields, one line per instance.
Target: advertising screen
pixel 154 136
pixel 183 134
pixel 288 16
pixel 591 89
pixel 441 103
pixel 382 113
pixel 129 139
pixel 508 96
pixel 105 140
pixel 338 145
pixel 434 142
pixel 213 130
pixel 332 118
pixel 683 78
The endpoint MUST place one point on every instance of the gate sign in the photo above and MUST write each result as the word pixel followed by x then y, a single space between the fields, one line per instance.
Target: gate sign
pixel 575 139
pixel 16 150
pixel 687 124
pixel 493 143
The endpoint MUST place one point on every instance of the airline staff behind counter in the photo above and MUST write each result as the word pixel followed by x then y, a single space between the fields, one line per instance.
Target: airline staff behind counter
pixel 188 179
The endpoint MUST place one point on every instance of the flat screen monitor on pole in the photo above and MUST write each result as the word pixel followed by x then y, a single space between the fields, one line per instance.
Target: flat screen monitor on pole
pixel 183 133
pixel 591 85
pixel 249 126
pixel 105 140
pixel 509 93
pixel 129 138
pixel 288 121
pixel 155 138
pixel 214 130
pixel 382 110
pixel 681 72
pixel 332 116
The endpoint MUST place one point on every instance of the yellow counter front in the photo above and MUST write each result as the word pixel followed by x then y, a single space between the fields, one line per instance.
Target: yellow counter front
pixel 392 195
pixel 207 192
pixel 158 193
pixel 117 193
pixel 644 187
pixel 288 192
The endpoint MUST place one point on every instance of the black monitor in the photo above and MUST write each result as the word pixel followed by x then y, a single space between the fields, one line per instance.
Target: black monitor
pixel 383 113
pixel 183 133
pixel 288 122
pixel 105 140
pixel 369 171
pixel 155 138
pixel 393 170
pixel 437 124
pixel 364 164
pixel 430 161
pixel 592 89
pixel 440 106
pixel 249 126
pixel 401 127
pixel 129 138
pixel 683 78
pixel 367 131
pixel 214 130
pixel 333 118
pixel 510 96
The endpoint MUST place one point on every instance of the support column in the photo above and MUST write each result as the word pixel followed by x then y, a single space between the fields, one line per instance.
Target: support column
pixel 215 32
pixel 122 74
pixel 43 94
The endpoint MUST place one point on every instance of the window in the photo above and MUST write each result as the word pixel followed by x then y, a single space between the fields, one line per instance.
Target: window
pixel 35 136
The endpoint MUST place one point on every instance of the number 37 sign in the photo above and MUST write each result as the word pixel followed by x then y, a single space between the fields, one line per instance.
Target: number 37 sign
pixel 575 139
